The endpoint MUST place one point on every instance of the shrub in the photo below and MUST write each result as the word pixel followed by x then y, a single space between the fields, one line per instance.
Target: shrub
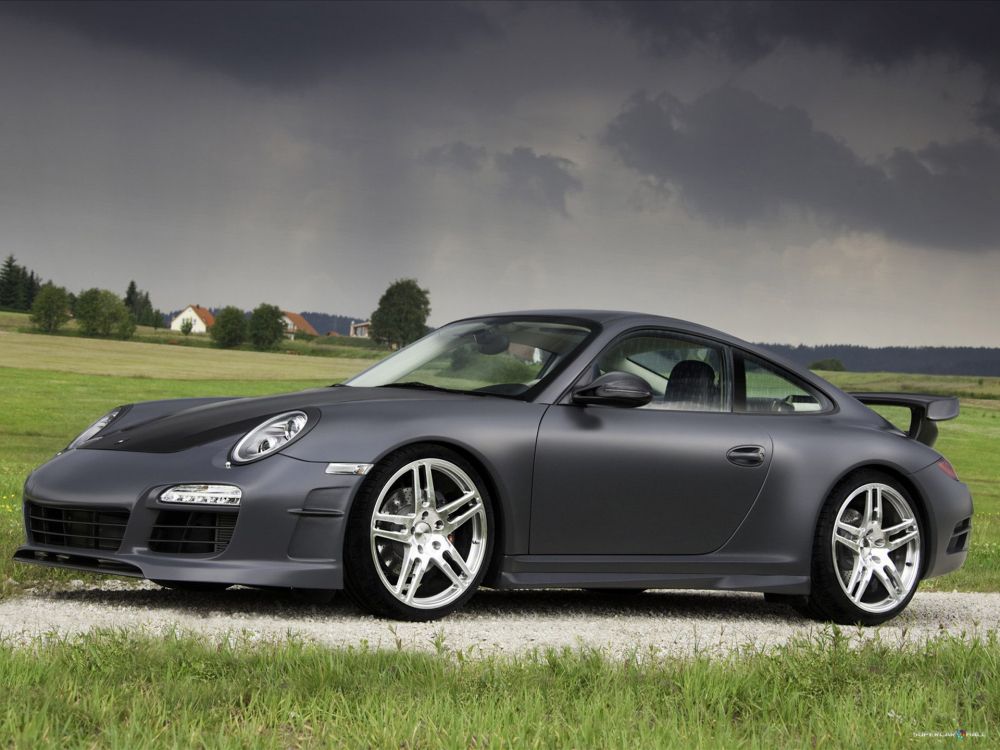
pixel 51 308
pixel 102 313
pixel 830 365
pixel 266 328
pixel 230 329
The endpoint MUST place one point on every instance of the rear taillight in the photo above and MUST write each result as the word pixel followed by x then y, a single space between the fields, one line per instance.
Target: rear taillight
pixel 947 468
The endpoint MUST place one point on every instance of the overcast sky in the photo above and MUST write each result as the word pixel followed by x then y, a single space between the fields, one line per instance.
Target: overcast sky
pixel 802 173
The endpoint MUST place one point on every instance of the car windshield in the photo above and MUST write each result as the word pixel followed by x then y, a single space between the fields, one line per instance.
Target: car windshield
pixel 499 356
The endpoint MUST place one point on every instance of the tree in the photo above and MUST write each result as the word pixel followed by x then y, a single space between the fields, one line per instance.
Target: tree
pixel 830 365
pixel 266 328
pixel 9 282
pixel 50 308
pixel 102 313
pixel 131 296
pixel 230 329
pixel 30 286
pixel 137 302
pixel 401 317
pixel 187 325
pixel 18 285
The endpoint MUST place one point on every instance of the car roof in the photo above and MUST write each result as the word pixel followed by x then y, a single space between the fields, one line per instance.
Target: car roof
pixel 624 318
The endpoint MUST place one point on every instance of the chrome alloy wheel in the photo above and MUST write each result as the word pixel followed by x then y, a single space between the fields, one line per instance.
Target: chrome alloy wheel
pixel 428 533
pixel 876 547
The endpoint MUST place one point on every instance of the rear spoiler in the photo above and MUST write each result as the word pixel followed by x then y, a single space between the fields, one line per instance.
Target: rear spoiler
pixel 924 411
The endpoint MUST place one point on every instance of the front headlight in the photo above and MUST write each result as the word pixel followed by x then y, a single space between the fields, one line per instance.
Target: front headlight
pixel 99 425
pixel 265 439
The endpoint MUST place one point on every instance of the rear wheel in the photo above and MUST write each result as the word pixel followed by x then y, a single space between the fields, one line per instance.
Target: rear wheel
pixel 420 535
pixel 867 552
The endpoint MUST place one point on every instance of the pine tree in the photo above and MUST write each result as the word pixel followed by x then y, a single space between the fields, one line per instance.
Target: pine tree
pixel 8 282
pixel 22 285
pixel 33 286
pixel 132 297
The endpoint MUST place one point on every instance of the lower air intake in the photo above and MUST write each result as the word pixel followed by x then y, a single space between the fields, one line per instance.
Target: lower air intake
pixel 76 527
pixel 179 532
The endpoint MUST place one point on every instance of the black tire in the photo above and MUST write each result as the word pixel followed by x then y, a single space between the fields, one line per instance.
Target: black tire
pixel 366 579
pixel 828 599
pixel 196 586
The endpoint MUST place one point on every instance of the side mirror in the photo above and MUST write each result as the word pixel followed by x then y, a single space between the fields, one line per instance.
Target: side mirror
pixel 614 389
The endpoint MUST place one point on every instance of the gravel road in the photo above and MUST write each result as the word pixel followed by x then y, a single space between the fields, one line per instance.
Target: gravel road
pixel 494 622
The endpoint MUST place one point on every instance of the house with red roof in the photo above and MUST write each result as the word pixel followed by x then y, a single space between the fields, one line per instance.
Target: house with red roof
pixel 201 319
pixel 295 323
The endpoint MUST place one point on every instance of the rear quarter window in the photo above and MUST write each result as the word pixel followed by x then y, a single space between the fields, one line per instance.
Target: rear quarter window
pixel 766 389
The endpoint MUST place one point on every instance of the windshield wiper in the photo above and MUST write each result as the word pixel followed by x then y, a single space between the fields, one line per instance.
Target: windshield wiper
pixel 416 384
pixel 419 386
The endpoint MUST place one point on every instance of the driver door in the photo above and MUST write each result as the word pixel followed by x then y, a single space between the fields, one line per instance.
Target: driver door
pixel 677 476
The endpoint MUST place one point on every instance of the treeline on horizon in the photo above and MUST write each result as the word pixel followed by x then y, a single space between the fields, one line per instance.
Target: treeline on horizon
pixel 926 360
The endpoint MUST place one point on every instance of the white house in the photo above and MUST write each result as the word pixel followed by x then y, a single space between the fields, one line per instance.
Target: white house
pixel 201 319
pixel 360 330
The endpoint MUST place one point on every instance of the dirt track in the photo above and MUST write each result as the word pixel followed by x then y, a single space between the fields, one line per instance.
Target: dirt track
pixel 663 622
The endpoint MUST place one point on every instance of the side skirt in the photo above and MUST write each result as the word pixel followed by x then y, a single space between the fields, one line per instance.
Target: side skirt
pixel 775 574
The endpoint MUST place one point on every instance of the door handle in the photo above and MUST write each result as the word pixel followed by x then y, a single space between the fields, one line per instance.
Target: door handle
pixel 746 455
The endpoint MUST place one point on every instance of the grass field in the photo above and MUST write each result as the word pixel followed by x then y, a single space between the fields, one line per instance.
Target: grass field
pixel 112 690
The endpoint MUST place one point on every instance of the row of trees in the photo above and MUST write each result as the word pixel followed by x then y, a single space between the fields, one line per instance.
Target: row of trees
pixel 400 319
pixel 18 286
pixel 264 329
pixel 98 312
pixel 142 310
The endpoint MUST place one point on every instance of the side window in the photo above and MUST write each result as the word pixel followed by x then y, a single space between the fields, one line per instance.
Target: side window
pixel 684 374
pixel 769 391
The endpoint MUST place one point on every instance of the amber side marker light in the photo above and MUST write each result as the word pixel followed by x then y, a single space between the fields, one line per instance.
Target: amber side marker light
pixel 947 468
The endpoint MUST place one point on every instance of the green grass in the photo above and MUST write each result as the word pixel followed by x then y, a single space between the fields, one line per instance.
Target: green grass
pixel 137 359
pixel 963 386
pixel 112 690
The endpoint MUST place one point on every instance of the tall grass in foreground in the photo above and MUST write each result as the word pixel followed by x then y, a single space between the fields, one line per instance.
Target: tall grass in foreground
pixel 112 690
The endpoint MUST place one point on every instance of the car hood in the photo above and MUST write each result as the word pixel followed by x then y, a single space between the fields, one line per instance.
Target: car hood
pixel 155 427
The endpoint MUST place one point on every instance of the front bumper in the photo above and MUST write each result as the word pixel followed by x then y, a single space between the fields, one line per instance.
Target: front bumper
pixel 288 530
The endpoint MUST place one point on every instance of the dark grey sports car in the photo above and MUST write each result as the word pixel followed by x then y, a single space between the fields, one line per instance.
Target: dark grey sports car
pixel 600 450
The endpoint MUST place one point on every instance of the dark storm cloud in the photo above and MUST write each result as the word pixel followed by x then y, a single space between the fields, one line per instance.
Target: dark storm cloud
pixel 881 33
pixel 278 44
pixel 458 154
pixel 541 180
pixel 736 159
pixel 868 33
pixel 989 111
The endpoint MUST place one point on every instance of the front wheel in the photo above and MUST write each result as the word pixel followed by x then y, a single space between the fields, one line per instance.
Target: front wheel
pixel 867 556
pixel 420 535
